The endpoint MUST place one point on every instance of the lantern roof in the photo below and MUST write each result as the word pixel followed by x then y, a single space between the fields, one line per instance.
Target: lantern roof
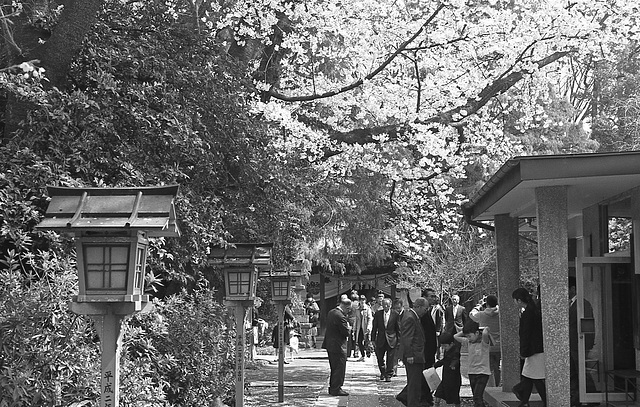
pixel 242 255
pixel 148 209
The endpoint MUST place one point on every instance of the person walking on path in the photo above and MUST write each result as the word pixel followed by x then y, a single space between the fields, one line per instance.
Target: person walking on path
pixel 313 310
pixel 455 316
pixel 398 306
pixel 364 324
pixel 377 305
pixel 531 349
pixel 335 342
pixel 385 336
pixel 486 313
pixel 352 316
pixel 437 314
pixel 431 341
pixel 412 347
pixel 449 389
pixel 479 370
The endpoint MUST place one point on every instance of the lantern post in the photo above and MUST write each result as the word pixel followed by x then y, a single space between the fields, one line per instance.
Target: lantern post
pixel 281 295
pixel 241 263
pixel 111 227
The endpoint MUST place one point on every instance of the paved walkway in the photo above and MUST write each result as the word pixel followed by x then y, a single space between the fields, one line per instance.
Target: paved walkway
pixel 306 381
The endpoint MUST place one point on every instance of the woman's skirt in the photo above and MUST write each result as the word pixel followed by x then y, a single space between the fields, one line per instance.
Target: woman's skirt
pixel 534 366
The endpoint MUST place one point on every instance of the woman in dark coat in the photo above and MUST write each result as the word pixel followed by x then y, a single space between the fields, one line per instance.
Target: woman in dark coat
pixel 449 389
pixel 531 348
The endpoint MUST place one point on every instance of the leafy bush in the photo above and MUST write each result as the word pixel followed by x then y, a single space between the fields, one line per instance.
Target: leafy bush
pixel 186 346
pixel 48 353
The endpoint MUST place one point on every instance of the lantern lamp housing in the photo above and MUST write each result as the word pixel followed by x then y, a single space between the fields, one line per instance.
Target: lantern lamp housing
pixel 111 227
pixel 280 286
pixel 240 283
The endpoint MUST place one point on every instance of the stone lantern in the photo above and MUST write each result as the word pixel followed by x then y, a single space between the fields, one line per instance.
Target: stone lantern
pixel 111 227
pixel 241 263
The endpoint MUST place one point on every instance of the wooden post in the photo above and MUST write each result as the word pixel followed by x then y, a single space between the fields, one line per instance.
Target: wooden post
pixel 240 341
pixel 107 318
pixel 109 330
pixel 281 349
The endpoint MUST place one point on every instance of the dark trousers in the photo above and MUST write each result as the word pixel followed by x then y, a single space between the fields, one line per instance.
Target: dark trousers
pixel 338 365
pixel 478 383
pixel 525 387
pixel 494 363
pixel 411 394
pixel 390 353
pixel 361 343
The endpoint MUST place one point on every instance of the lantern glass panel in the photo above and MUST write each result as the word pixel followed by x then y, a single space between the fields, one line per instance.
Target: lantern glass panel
pixel 106 267
pixel 239 282
pixel 138 277
pixel 280 288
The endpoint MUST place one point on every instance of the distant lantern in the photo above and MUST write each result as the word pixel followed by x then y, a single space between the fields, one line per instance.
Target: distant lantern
pixel 111 227
pixel 241 263
pixel 280 286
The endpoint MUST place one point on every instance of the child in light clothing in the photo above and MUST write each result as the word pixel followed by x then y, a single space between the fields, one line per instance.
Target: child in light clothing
pixel 449 389
pixel 479 370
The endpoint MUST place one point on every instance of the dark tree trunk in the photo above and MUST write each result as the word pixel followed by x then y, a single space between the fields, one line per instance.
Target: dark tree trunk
pixel 55 55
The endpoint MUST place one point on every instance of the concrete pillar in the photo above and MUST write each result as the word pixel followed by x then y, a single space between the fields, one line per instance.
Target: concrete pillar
pixel 508 274
pixel 635 216
pixel 553 255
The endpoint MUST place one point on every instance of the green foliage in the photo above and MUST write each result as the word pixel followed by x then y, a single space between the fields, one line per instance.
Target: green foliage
pixel 616 107
pixel 47 352
pixel 184 349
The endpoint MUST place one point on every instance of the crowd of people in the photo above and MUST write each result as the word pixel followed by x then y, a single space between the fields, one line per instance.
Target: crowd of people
pixel 420 335
pixel 423 334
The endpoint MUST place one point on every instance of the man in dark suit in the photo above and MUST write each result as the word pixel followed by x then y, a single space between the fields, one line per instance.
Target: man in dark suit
pixel 412 348
pixel 455 316
pixel 335 342
pixel 430 341
pixel 385 337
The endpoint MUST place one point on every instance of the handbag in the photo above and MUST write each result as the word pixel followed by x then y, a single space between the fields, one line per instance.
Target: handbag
pixel 432 378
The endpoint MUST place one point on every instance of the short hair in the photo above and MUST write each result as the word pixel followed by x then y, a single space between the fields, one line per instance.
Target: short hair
pixel 492 300
pixel 421 302
pixel 398 301
pixel 380 293
pixel 456 296
pixel 309 295
pixel 445 338
pixel 572 282
pixel 346 302
pixel 470 327
pixel 521 294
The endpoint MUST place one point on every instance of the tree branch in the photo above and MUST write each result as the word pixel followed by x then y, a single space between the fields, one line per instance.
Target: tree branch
pixel 452 117
pixel 305 98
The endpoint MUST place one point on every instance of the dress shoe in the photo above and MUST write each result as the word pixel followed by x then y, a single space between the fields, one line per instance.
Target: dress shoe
pixel 387 379
pixel 339 393
pixel 382 377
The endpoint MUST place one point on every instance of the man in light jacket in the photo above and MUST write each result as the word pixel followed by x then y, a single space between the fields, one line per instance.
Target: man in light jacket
pixel 364 322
